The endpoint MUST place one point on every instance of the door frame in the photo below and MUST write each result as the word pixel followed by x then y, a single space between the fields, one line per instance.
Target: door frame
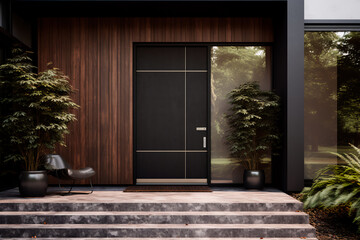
pixel 135 46
pixel 179 44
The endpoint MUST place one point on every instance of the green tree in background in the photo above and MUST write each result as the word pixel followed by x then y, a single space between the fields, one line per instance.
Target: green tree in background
pixel 334 58
pixel 349 89
pixel 321 53
pixel 231 66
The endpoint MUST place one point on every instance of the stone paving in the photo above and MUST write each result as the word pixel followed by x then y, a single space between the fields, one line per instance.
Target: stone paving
pixel 110 213
pixel 116 195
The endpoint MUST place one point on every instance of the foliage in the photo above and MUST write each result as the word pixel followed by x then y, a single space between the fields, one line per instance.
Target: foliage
pixel 332 102
pixel 253 123
pixel 320 65
pixel 336 185
pixel 231 66
pixel 37 109
pixel 348 86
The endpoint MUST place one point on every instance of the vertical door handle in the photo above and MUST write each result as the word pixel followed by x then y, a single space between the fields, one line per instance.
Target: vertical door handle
pixel 204 142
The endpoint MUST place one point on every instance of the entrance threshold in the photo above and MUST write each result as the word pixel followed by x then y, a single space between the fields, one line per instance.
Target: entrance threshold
pixel 173 181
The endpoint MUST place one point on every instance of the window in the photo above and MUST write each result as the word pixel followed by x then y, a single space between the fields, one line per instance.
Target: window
pixel 230 67
pixel 332 99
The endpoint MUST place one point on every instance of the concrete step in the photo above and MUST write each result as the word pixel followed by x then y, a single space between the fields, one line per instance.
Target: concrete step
pixel 165 238
pixel 156 207
pixel 153 217
pixel 233 214
pixel 158 230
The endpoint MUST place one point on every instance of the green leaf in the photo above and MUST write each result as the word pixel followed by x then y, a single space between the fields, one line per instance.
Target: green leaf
pixel 38 108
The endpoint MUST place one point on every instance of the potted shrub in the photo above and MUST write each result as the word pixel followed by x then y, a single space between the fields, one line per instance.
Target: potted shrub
pixel 253 129
pixel 36 117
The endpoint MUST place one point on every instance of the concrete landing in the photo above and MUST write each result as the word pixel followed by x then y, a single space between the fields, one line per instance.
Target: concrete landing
pixel 116 195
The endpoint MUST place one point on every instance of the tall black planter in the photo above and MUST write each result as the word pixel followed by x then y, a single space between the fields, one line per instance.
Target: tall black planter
pixel 254 179
pixel 33 183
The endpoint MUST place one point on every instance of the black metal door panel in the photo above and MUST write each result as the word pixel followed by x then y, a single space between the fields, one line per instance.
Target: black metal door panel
pixel 171 114
pixel 196 58
pixel 160 58
pixel 196 111
pixel 195 162
pixel 160 165
pixel 160 111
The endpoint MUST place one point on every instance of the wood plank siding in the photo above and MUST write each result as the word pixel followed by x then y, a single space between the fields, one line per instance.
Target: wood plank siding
pixel 97 54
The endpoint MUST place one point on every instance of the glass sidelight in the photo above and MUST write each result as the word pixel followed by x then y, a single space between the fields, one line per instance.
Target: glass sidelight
pixel 231 66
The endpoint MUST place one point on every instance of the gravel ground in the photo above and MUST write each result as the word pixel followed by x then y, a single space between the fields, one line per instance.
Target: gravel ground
pixel 332 224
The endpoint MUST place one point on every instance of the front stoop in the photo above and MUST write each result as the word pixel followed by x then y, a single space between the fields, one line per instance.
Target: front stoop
pixel 281 220
pixel 168 238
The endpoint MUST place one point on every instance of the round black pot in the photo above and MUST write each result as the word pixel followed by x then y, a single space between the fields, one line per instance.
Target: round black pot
pixel 254 179
pixel 33 183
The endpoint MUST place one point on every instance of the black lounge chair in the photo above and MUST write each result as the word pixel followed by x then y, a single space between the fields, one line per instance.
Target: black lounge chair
pixel 59 168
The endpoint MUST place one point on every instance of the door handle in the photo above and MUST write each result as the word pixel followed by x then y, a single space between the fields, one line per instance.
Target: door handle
pixel 204 142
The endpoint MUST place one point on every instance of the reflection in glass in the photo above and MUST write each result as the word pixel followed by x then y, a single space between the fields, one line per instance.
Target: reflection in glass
pixel 332 100
pixel 230 67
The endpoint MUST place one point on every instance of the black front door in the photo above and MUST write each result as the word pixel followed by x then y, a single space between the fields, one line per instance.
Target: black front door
pixel 171 114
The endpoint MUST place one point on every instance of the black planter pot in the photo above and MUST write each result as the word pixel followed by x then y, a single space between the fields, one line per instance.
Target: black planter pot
pixel 33 183
pixel 254 179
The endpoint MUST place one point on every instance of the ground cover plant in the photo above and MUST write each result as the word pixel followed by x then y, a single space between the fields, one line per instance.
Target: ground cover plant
pixel 331 223
pixel 337 185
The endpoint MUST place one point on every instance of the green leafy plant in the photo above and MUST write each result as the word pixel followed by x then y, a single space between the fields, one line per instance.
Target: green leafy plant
pixel 253 126
pixel 337 185
pixel 37 109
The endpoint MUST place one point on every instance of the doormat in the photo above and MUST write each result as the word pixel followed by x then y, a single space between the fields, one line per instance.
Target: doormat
pixel 168 189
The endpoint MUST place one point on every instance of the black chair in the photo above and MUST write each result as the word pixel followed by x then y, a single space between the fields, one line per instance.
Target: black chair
pixel 60 169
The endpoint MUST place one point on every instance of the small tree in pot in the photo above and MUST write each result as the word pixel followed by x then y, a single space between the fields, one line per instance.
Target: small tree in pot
pixel 253 129
pixel 37 115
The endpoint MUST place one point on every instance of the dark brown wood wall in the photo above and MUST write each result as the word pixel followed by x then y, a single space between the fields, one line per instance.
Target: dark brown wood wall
pixel 97 55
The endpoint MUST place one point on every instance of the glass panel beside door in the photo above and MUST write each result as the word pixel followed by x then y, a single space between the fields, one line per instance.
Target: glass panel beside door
pixel 230 67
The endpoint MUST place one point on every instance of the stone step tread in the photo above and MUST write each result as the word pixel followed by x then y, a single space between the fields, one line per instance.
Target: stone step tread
pixel 235 195
pixel 153 218
pixel 165 238
pixel 41 201
pixel 156 207
pixel 215 213
pixel 158 230
pixel 156 226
